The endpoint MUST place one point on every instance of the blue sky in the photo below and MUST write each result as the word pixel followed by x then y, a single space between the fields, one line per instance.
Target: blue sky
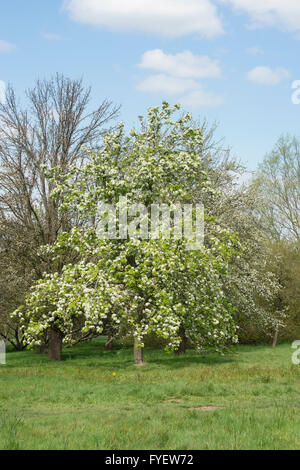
pixel 233 61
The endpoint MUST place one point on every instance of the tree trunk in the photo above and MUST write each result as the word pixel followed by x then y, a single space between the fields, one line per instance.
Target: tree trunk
pixel 275 340
pixel 138 353
pixel 55 344
pixel 183 344
pixel 42 349
pixel 109 344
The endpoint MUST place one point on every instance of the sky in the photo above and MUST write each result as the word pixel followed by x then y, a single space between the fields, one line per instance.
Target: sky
pixel 231 61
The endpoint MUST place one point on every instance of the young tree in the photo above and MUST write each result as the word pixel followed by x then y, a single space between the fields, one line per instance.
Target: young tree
pixel 153 284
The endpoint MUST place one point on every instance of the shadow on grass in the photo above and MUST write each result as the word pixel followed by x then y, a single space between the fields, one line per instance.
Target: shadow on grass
pixel 93 354
pixel 191 358
pixel 121 356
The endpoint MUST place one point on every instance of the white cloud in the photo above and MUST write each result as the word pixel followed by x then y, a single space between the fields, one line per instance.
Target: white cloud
pixel 6 46
pixel 180 76
pixel 184 64
pixel 2 92
pixel 283 14
pixel 201 98
pixel 161 17
pixel 162 83
pixel 267 76
pixel 193 93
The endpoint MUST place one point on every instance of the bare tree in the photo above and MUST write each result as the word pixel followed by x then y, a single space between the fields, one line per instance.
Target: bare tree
pixel 49 129
pixel 277 186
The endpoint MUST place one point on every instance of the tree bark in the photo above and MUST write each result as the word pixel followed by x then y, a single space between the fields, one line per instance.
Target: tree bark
pixel 55 344
pixel 183 344
pixel 275 340
pixel 138 353
pixel 109 344
pixel 42 349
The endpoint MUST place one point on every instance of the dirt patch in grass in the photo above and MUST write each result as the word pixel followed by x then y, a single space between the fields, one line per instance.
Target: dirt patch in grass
pixel 206 408
pixel 175 400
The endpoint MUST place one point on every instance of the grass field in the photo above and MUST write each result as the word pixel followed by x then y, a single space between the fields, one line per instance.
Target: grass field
pixel 80 404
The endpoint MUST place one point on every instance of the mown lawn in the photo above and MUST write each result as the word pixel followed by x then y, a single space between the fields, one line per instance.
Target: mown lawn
pixel 79 404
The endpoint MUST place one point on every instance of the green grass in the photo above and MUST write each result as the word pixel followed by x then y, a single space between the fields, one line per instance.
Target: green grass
pixel 79 404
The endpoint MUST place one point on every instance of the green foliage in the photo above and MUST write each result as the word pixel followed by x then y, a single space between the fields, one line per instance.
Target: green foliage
pixel 287 270
pixel 277 190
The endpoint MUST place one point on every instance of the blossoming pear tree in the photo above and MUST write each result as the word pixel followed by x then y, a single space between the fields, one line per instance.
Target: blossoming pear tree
pixel 139 284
